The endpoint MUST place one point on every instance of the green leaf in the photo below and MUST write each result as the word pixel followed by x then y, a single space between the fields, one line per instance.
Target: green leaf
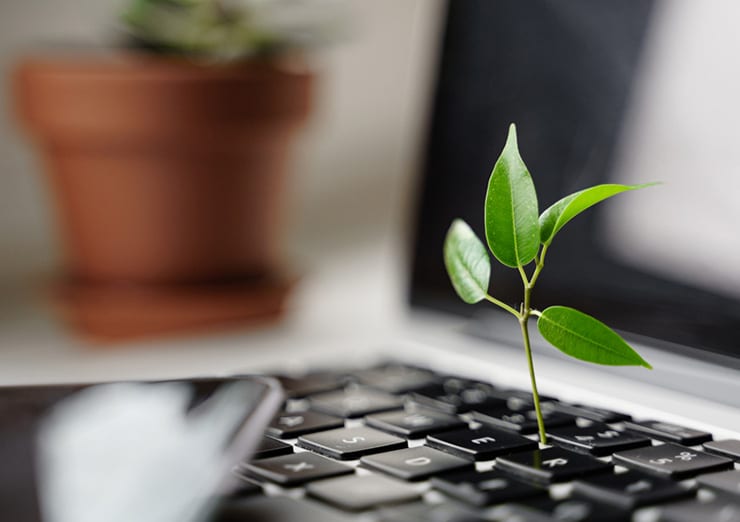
pixel 512 229
pixel 555 217
pixel 583 337
pixel 467 262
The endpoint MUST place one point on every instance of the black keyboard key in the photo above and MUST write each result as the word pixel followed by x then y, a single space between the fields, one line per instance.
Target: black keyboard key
pixel 579 510
pixel 350 443
pixel 484 443
pixel 671 460
pixel 289 425
pixel 296 469
pixel 414 423
pixel 596 439
pixel 414 464
pixel 631 489
pixel 245 488
pixel 591 413
pixel 361 492
pixel 455 396
pixel 724 483
pixel 302 386
pixel 518 513
pixel 270 447
pixel 262 508
pixel 395 379
pixel 692 511
pixel 455 383
pixel 726 448
pixel 355 402
pixel 669 432
pixel 551 465
pixel 523 395
pixel 426 512
pixel 437 397
pixel 485 488
pixel 523 421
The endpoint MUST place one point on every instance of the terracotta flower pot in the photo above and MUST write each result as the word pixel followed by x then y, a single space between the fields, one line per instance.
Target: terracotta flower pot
pixel 164 172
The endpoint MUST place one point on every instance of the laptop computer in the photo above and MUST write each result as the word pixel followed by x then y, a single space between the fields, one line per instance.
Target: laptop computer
pixel 442 431
pixel 582 81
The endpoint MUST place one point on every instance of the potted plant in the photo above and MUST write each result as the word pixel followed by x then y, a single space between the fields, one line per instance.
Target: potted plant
pixel 167 161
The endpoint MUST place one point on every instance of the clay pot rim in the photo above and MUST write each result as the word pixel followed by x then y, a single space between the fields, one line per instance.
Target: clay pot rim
pixel 127 61
pixel 47 87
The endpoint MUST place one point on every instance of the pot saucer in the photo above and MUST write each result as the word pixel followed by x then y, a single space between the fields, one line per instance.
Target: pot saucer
pixel 121 311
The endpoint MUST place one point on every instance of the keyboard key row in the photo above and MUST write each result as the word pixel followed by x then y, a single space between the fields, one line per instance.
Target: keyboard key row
pixel 590 413
pixel 523 421
pixel 350 443
pixel 551 465
pixel 296 469
pixel 596 439
pixel 414 424
pixel 669 432
pixel 724 448
pixel 724 483
pixel 414 464
pixel 485 488
pixel 672 460
pixel 631 489
pixel 361 492
pixel 459 398
pixel 270 447
pixel 485 443
pixel 576 510
pixel 399 403
pixel 289 425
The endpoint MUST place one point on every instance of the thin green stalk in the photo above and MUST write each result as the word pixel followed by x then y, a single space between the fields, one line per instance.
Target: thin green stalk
pixel 524 276
pixel 503 305
pixel 540 260
pixel 528 350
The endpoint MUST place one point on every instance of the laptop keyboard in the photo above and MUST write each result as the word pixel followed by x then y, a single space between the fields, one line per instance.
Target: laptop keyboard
pixel 396 442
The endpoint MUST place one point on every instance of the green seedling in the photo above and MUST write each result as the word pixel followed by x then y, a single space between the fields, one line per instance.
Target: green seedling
pixel 518 237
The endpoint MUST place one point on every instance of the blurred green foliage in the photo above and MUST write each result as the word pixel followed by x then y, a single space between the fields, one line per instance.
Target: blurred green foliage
pixel 228 30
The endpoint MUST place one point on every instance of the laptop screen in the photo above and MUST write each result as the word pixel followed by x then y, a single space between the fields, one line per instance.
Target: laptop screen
pixel 624 92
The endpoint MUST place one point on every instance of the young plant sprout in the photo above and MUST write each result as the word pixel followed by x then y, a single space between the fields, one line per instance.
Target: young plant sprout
pixel 518 237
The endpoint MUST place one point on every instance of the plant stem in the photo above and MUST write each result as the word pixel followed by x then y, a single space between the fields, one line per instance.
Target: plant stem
pixel 503 305
pixel 523 323
pixel 535 394
pixel 540 260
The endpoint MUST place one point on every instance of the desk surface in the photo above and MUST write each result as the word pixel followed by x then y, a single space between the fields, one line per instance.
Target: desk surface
pixel 356 296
